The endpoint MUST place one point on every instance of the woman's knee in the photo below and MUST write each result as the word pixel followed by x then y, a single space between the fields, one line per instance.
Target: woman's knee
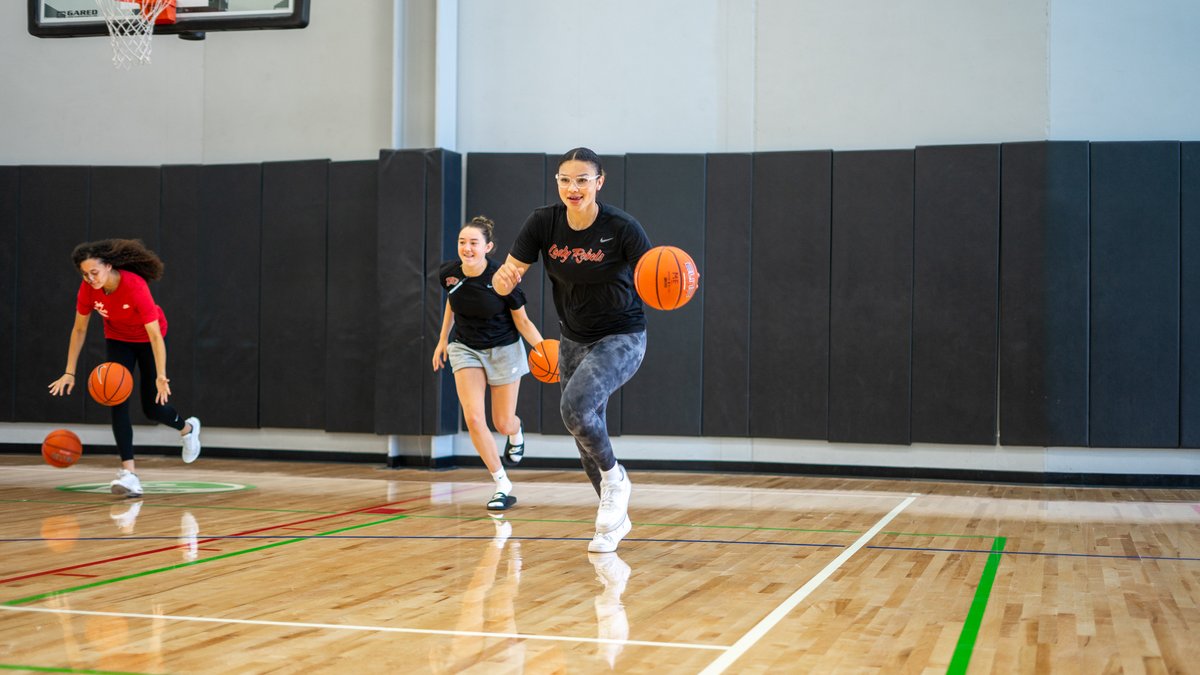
pixel 506 423
pixel 475 420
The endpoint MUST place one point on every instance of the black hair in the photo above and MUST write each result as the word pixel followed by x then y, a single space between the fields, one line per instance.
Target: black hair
pixel 123 254
pixel 583 155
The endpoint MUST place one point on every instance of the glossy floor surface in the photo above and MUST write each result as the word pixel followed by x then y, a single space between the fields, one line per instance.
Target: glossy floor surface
pixel 270 567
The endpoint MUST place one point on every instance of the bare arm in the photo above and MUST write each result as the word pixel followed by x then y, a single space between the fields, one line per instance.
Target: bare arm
pixel 439 352
pixel 508 276
pixel 66 382
pixel 525 327
pixel 159 346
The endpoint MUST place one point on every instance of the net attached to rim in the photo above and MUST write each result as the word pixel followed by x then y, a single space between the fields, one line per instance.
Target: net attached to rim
pixel 131 27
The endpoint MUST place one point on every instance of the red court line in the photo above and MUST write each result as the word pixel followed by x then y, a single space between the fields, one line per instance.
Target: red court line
pixel 175 547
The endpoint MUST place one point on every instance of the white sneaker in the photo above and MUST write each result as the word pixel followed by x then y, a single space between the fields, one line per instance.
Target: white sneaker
pixel 126 484
pixel 124 516
pixel 607 542
pixel 191 441
pixel 614 501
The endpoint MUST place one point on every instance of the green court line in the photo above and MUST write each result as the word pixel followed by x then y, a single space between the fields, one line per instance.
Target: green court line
pixel 105 582
pixel 970 631
pixel 46 669
pixel 166 506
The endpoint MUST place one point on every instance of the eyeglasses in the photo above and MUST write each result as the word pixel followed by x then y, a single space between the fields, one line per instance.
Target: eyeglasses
pixel 578 181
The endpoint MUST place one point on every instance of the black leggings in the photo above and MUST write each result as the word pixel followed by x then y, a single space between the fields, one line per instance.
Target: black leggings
pixel 141 355
pixel 588 375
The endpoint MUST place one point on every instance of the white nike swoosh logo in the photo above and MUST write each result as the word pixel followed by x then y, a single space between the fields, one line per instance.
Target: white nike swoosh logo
pixel 602 240
pixel 489 285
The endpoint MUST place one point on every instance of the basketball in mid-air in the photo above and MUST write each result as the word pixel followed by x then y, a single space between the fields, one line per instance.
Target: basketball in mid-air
pixel 110 383
pixel 61 448
pixel 666 277
pixel 543 361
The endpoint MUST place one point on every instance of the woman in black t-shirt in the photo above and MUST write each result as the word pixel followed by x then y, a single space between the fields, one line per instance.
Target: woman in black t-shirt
pixel 589 250
pixel 486 351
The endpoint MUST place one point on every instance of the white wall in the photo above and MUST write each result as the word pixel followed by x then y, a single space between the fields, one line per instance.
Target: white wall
pixel 1125 70
pixel 729 75
pixel 885 74
pixel 619 75
pixel 324 91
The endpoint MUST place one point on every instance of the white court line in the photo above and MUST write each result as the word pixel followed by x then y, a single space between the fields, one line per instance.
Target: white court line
pixel 377 629
pixel 734 652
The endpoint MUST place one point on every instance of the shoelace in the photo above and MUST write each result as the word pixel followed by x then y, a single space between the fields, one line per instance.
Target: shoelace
pixel 608 497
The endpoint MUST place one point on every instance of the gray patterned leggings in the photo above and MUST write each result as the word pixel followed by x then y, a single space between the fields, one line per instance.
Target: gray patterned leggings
pixel 588 375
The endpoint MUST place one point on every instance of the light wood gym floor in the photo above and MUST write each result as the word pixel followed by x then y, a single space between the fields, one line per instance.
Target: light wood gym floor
pixel 270 567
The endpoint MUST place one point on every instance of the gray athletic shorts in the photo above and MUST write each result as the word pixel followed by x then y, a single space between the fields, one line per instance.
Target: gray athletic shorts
pixel 501 365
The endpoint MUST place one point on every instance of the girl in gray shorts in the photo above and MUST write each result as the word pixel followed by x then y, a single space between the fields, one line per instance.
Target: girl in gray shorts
pixel 481 338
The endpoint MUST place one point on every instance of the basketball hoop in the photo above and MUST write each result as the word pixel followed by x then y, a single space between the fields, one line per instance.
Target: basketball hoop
pixel 131 26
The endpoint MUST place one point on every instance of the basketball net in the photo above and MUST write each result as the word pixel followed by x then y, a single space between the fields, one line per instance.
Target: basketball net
pixel 131 26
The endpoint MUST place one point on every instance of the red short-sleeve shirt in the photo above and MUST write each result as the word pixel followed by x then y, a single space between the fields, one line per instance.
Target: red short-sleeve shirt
pixel 125 311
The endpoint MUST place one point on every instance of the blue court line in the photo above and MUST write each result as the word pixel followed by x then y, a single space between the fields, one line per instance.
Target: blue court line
pixel 918 549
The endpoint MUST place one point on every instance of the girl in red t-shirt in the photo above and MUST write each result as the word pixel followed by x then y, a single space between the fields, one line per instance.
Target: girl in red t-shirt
pixel 115 272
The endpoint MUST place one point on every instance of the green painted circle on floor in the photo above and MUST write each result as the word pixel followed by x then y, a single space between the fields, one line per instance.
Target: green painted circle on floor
pixel 162 487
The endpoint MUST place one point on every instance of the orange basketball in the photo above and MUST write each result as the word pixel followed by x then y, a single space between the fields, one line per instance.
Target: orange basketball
pixel 61 448
pixel 543 361
pixel 110 383
pixel 666 277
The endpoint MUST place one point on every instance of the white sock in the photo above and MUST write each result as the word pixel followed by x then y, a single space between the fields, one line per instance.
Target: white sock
pixel 613 475
pixel 503 484
pixel 517 438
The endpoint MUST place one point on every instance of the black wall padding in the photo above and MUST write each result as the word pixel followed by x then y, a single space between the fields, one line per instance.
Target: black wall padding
pixel 666 194
pixel 729 196
pixel 352 297
pixel 53 214
pixel 401 272
pixel 1134 368
pixel 956 276
pixel 1189 367
pixel 789 295
pixel 1044 294
pixel 9 196
pixel 295 209
pixel 228 251
pixel 178 291
pixel 871 296
pixel 405 183
pixel 124 205
pixel 506 188
pixel 443 211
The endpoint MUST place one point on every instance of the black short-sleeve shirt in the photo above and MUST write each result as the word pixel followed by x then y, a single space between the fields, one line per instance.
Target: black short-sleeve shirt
pixel 591 270
pixel 482 319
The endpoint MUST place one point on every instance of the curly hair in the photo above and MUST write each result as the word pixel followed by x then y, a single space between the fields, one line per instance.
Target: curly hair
pixel 484 225
pixel 123 254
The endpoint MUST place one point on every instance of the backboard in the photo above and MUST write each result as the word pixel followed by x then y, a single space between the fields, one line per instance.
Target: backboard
pixel 82 18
